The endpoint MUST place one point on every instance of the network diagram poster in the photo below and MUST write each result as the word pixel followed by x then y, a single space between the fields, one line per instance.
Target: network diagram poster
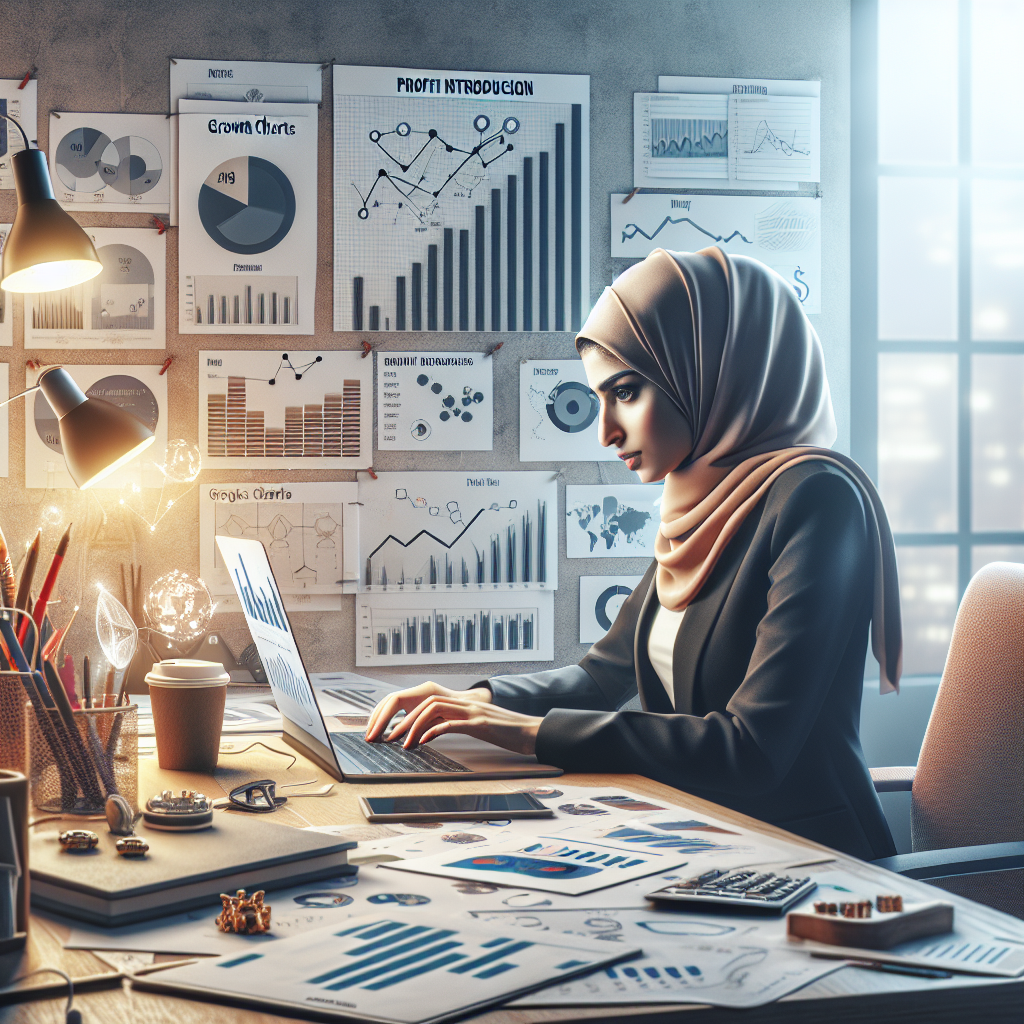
pixel 115 162
pixel 782 232
pixel 247 211
pixel 6 305
pixel 124 307
pixel 601 598
pixel 461 200
pixel 17 100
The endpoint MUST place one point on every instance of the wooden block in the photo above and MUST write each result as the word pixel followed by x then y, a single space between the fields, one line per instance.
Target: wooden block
pixel 880 931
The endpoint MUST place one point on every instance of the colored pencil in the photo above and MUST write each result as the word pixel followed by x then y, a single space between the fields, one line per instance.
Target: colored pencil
pixel 27 572
pixel 86 682
pixel 51 579
pixel 8 584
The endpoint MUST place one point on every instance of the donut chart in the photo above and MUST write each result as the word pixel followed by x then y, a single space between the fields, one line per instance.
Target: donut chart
pixel 247 205
pixel 88 161
pixel 572 406
pixel 609 603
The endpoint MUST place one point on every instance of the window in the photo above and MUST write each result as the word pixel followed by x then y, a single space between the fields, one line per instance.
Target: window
pixel 937 146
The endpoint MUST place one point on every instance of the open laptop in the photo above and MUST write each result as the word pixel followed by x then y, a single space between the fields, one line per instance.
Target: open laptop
pixel 345 754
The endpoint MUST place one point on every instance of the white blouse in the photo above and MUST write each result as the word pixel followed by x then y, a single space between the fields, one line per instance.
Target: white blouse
pixel 660 644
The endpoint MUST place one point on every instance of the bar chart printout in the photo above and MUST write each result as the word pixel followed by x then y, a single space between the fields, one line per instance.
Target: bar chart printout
pixel 460 203
pixel 280 410
pixel 411 971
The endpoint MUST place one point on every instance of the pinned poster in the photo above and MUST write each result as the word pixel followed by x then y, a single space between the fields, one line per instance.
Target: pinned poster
pixel 4 419
pixel 6 306
pixel 247 209
pixel 17 100
pixel 611 520
pixel 601 598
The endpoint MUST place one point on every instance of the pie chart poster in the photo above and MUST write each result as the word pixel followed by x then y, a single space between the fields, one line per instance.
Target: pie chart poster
pixel 601 597
pixel 247 214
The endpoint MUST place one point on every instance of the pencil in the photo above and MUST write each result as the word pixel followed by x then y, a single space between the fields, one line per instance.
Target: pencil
pixel 108 687
pixel 25 585
pixel 8 584
pixel 86 683
pixel 50 581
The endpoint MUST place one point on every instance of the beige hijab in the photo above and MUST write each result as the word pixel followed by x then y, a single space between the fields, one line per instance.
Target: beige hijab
pixel 726 338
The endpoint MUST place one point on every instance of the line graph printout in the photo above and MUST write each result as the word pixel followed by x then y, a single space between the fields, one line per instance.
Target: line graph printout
pixel 774 138
pixel 273 409
pixel 459 532
pixel 611 520
pixel 247 211
pixel 683 136
pixel 20 104
pixel 461 200
pixel 782 232
pixel 302 526
pixel 454 628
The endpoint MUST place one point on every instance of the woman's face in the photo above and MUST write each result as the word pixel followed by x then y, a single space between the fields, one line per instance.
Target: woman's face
pixel 637 417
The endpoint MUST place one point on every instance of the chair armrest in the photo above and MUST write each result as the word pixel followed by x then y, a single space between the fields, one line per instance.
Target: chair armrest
pixel 893 780
pixel 957 860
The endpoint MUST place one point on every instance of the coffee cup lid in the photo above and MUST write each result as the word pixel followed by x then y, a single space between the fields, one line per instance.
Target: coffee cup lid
pixel 187 672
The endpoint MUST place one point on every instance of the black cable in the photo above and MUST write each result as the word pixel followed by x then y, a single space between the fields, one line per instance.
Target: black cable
pixel 18 126
pixel 71 1015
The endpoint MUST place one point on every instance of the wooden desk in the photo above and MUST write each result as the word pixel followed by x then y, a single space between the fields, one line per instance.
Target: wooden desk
pixel 885 997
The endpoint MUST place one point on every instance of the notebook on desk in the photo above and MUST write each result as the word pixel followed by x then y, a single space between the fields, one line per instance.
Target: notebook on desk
pixel 345 754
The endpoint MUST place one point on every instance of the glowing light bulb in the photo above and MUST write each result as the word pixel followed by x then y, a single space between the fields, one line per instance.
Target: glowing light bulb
pixel 179 606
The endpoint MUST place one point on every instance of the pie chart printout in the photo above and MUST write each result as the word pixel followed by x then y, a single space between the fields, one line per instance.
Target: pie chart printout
pixel 88 161
pixel 247 205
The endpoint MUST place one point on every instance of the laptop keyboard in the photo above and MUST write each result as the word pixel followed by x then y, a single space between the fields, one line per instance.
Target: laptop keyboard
pixel 358 698
pixel 390 757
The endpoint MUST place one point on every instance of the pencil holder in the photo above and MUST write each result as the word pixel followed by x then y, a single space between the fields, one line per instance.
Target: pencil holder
pixel 12 722
pixel 73 771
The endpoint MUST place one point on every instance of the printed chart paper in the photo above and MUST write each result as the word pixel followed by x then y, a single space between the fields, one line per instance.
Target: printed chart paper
pixel 774 138
pixel 238 81
pixel 115 162
pixel 461 200
pixel 6 303
pixel 435 401
pixel 302 526
pixel 5 418
pixel 558 413
pixel 783 233
pixel 459 531
pixel 141 390
pixel 601 597
pixel 247 209
pixel 21 105
pixel 270 409
pixel 611 520
pixel 454 625
pixel 124 307
pixel 381 967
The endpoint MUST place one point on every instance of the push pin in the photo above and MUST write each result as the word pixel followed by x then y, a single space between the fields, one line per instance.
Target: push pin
pixel 242 914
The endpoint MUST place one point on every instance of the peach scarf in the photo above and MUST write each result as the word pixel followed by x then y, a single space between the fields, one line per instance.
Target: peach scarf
pixel 726 338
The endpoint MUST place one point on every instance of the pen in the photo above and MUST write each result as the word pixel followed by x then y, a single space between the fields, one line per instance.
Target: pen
pixel 27 572
pixel 50 581
pixel 86 683
pixel 8 585
pixel 108 687
pixel 874 965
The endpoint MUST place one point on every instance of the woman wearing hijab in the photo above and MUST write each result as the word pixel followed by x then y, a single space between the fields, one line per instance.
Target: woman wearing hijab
pixel 734 671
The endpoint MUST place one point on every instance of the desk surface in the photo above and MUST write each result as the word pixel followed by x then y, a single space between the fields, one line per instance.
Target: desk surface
pixel 881 997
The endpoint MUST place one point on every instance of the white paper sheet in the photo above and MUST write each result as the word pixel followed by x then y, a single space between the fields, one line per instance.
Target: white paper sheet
pixel 139 389
pixel 558 413
pixel 6 302
pixel 774 138
pixel 435 401
pixel 247 206
pixel 303 528
pixel 124 307
pixel 278 409
pixel 5 416
pixel 21 105
pixel 611 520
pixel 601 597
pixel 114 162
pixel 783 233
pixel 440 182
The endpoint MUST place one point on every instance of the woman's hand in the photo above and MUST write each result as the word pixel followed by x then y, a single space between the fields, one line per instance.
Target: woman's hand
pixel 433 710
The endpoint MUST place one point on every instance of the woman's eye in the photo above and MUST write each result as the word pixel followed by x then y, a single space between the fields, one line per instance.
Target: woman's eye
pixel 625 393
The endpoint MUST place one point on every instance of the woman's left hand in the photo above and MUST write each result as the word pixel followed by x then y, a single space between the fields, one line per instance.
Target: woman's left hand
pixel 439 714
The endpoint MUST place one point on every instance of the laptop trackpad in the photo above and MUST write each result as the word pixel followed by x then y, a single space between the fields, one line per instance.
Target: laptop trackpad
pixel 479 755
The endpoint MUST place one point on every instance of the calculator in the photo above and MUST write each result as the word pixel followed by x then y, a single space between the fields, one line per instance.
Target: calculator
pixel 743 889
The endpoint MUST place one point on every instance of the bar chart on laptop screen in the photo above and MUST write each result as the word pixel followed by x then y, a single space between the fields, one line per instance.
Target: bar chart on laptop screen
pixel 458 212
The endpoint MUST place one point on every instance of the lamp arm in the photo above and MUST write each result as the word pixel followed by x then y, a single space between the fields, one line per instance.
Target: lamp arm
pixel 18 126
pixel 27 391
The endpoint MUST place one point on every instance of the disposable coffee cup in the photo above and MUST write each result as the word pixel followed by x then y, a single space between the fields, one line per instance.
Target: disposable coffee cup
pixel 188 697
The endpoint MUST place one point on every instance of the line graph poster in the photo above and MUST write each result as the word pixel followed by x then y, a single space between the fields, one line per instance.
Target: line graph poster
pixel 459 532
pixel 461 200
pixel 247 211
pixel 124 307
pixel 302 526
pixel 285 410
pixel 611 520
pixel 783 232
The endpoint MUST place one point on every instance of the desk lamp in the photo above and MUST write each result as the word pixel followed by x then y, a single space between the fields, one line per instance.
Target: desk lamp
pixel 46 250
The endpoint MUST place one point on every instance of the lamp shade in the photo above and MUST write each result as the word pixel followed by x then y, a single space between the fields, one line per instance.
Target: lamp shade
pixel 45 248
pixel 96 436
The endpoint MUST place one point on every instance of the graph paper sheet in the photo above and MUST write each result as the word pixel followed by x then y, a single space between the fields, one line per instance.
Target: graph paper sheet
pixel 461 200
pixel 272 409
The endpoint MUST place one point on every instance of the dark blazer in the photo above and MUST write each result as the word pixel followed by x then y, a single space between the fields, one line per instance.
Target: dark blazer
pixel 768 670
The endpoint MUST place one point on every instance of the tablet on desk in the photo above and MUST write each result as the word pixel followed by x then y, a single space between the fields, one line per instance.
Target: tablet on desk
pixel 463 807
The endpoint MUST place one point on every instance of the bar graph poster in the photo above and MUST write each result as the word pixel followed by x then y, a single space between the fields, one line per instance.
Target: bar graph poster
pixel 601 597
pixel 124 307
pixel 302 526
pixel 558 413
pixel 461 200
pixel 285 410
pixel 6 305
pixel 141 390
pixel 459 532
pixel 19 103
pixel 247 212
pixel 783 232
pixel 435 401
pixel 611 520
pixel 412 628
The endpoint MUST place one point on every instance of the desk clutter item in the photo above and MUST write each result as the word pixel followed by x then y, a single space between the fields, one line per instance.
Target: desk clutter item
pixel 14 911
pixel 243 914
pixel 131 846
pixel 78 839
pixel 120 815
pixel 188 699
pixel 190 812
pixel 855 926
pixel 744 889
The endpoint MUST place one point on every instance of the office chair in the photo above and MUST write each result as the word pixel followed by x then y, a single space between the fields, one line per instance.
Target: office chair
pixel 967 791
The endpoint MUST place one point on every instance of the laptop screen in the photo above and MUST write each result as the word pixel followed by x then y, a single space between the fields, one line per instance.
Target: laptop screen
pixel 253 577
